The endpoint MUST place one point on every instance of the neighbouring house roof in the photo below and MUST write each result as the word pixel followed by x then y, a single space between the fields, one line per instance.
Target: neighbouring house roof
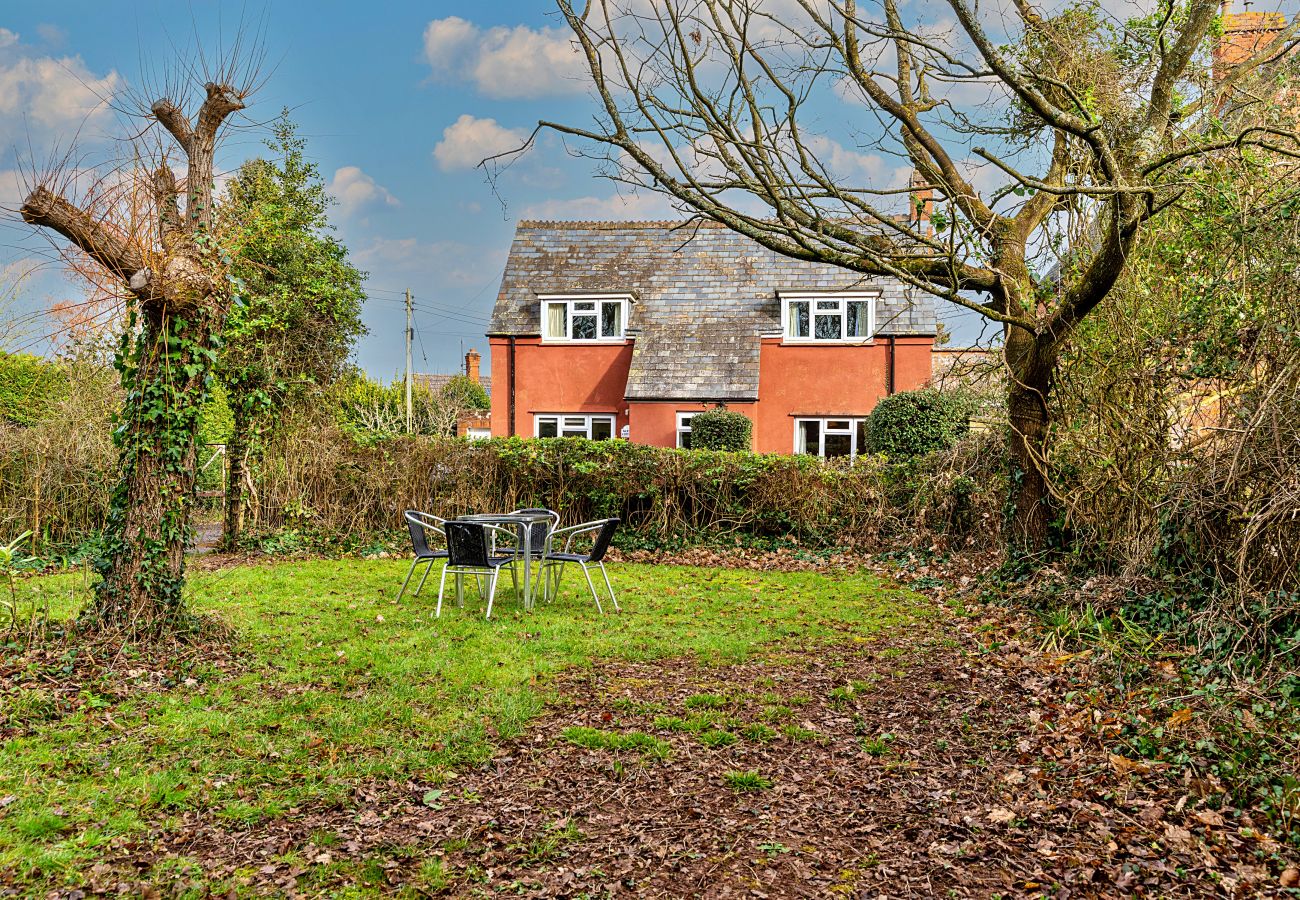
pixel 704 297
pixel 435 382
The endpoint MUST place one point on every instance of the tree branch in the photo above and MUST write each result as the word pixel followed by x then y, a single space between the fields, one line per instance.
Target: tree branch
pixel 105 245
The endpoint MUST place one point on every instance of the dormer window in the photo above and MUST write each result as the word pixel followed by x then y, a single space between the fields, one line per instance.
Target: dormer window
pixel 599 317
pixel 844 317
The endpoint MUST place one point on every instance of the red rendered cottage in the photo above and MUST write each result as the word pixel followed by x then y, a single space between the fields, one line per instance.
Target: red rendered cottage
pixel 609 329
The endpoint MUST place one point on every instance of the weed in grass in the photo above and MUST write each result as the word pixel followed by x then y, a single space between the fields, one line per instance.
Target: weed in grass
pixel 798 700
pixel 877 746
pixel 705 701
pixel 596 739
pixel 773 848
pixel 432 876
pixel 632 707
pixel 552 843
pixel 671 723
pixel 758 732
pixel 796 733
pixel 717 739
pixel 743 782
pixel 779 713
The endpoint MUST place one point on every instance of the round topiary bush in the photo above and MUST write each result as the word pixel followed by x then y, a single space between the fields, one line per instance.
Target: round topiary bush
pixel 720 429
pixel 911 423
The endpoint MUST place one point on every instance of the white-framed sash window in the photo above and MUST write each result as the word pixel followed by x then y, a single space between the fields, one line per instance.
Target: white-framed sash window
pixel 595 428
pixel 684 429
pixel 585 317
pixel 828 318
pixel 831 436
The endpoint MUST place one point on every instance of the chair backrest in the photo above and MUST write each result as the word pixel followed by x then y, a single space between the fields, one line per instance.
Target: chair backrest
pixel 603 537
pixel 467 544
pixel 417 523
pixel 540 530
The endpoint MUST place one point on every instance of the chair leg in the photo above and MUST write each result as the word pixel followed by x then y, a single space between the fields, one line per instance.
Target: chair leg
pixel 425 578
pixel 460 589
pixel 492 589
pixel 409 573
pixel 442 584
pixel 614 599
pixel 559 576
pixel 514 578
pixel 591 585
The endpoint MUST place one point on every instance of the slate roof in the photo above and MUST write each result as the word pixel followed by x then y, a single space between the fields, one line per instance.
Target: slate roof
pixel 704 297
pixel 436 381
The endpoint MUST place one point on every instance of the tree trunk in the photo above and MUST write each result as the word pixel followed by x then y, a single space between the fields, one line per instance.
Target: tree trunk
pixel 165 372
pixel 236 456
pixel 1030 363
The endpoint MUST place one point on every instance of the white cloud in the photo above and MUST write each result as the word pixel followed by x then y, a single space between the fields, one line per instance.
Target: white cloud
pixel 468 141
pixel 54 93
pixel 843 162
pixel 628 205
pixel 7 37
pixel 355 189
pixel 506 62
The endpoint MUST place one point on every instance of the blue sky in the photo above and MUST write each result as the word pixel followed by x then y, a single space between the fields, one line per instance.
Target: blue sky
pixel 398 101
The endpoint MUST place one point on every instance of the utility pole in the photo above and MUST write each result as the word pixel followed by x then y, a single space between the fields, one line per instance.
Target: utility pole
pixel 409 332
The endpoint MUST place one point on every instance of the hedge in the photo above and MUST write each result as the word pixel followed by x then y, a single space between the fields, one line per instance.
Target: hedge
pixel 913 423
pixel 721 429
pixel 30 388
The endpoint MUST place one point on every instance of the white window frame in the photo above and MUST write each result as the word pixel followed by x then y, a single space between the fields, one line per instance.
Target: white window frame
pixel 561 426
pixel 812 298
pixel 684 428
pixel 854 450
pixel 624 300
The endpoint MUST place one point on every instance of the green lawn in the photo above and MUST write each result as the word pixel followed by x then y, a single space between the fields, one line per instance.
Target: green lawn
pixel 344 684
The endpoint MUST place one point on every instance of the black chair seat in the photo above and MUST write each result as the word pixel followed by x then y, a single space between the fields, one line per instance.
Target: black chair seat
pixel 570 557
pixel 497 561
pixel 432 554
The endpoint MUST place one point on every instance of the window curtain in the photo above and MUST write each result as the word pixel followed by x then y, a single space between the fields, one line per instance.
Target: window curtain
pixel 556 320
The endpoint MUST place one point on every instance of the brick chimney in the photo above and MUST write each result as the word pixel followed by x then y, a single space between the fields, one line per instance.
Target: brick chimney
pixel 1244 35
pixel 920 203
pixel 471 365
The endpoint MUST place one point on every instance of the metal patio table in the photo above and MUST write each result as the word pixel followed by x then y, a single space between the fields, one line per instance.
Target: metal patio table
pixel 524 523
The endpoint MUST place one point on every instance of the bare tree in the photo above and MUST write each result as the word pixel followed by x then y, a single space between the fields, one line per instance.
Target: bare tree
pixel 1087 122
pixel 129 232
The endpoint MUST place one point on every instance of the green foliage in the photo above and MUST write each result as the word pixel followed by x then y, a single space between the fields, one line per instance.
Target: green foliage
pixel 217 421
pixel 721 429
pixel 462 392
pixel 913 423
pixel 30 388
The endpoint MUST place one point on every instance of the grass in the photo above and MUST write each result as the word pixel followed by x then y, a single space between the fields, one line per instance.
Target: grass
pixel 596 739
pixel 345 685
pixel 747 782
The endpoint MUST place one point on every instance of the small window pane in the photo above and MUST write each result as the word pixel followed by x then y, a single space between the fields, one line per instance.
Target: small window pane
pixel 831 305
pixel 684 440
pixel 575 421
pixel 601 429
pixel 611 320
pixel 828 328
pixel 584 327
pixel 809 433
pixel 547 428
pixel 585 306
pixel 857 326
pixel 862 436
pixel 838 444
pixel 798 319
pixel 841 425
pixel 557 320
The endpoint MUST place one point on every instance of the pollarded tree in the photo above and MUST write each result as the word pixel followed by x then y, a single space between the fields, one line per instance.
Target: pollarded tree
pixel 1088 123
pixel 139 232
pixel 300 299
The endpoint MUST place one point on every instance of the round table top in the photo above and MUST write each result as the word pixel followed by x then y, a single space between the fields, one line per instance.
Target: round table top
pixel 521 518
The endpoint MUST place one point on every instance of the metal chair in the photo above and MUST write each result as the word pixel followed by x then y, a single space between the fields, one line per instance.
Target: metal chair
pixel 418 524
pixel 540 530
pixel 553 562
pixel 467 553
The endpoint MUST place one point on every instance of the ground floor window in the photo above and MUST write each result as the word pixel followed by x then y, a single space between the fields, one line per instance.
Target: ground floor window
pixel 684 429
pixel 596 428
pixel 830 437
